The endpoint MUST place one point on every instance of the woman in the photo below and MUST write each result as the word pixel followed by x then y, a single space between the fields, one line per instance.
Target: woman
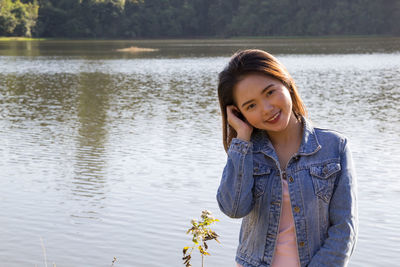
pixel 292 183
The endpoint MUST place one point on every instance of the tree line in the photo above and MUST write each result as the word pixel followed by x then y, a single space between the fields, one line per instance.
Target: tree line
pixel 197 18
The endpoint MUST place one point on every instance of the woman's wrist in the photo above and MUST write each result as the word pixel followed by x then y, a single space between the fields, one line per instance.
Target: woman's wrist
pixel 244 136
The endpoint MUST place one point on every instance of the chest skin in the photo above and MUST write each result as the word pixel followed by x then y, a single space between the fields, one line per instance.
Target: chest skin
pixel 286 147
pixel 285 152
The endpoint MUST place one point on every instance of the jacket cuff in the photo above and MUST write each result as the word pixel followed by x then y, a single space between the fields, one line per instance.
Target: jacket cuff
pixel 240 146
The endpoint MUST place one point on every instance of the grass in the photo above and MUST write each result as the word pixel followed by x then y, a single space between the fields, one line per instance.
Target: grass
pixel 3 38
pixel 54 265
pixel 310 36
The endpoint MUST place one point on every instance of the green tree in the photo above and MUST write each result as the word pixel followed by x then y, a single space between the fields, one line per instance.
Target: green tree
pixel 190 18
pixel 17 18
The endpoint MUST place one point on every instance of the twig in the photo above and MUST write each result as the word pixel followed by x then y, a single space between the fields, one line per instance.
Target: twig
pixel 44 252
pixel 114 260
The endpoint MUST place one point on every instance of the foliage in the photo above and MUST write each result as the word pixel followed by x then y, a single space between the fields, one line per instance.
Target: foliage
pixel 201 233
pixel 191 18
pixel 17 18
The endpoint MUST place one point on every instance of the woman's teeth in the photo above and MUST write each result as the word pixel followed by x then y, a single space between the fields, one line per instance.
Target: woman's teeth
pixel 274 117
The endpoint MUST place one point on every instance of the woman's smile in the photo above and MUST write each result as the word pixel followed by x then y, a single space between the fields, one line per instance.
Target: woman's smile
pixel 274 118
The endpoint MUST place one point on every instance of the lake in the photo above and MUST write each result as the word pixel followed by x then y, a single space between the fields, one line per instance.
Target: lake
pixel 109 154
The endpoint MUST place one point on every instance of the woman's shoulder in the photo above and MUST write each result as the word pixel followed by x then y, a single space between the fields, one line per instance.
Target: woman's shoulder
pixel 329 137
pixel 329 133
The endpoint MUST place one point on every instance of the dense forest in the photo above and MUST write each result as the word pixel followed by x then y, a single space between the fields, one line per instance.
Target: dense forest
pixel 197 18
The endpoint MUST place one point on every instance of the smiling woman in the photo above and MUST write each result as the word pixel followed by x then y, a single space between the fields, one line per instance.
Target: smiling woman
pixel 260 69
pixel 282 175
pixel 266 104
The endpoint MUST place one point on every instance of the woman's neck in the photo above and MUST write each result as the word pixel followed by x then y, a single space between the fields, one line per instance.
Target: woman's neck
pixel 287 142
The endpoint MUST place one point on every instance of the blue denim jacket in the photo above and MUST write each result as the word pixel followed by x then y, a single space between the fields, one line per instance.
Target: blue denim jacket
pixel 322 188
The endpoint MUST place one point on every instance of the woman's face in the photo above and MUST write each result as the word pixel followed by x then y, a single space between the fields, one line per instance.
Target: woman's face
pixel 264 101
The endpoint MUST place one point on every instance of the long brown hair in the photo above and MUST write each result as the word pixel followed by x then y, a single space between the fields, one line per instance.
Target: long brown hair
pixel 243 63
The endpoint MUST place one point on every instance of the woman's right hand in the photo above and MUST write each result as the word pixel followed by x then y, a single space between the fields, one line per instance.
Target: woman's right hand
pixel 242 127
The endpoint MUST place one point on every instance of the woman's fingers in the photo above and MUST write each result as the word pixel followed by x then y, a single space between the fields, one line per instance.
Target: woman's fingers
pixel 242 128
pixel 232 118
pixel 229 111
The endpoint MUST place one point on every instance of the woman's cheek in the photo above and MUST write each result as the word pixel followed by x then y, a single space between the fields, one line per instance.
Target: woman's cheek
pixel 254 122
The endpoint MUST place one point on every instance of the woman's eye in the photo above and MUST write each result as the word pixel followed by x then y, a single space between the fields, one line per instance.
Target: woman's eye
pixel 270 92
pixel 251 106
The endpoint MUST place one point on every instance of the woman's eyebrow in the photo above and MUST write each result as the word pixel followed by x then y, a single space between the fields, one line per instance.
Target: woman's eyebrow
pixel 262 92
pixel 266 88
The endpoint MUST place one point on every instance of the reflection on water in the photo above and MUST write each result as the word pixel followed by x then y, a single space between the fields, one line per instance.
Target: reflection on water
pixel 89 161
pixel 106 156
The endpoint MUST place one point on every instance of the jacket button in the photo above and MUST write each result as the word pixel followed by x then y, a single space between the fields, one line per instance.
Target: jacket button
pixel 291 179
pixel 301 244
pixel 275 203
pixel 325 170
pixel 296 158
pixel 296 209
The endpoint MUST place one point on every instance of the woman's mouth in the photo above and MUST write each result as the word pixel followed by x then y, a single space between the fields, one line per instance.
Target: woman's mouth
pixel 274 118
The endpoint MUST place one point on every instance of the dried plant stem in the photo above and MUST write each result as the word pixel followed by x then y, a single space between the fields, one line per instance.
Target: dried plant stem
pixel 44 252
pixel 114 260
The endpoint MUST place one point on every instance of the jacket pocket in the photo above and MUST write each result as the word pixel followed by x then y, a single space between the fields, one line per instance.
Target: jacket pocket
pixel 323 178
pixel 260 174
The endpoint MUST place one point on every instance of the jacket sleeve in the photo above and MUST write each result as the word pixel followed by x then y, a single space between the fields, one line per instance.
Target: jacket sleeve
pixel 234 196
pixel 343 217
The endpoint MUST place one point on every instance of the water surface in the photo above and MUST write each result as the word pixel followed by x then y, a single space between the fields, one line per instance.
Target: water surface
pixel 107 154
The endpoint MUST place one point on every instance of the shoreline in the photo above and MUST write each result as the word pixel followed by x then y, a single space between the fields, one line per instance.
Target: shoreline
pixel 203 38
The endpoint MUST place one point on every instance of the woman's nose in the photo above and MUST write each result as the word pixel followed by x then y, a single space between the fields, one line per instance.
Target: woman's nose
pixel 267 107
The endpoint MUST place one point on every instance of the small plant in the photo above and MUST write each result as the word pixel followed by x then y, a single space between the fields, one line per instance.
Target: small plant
pixel 201 234
pixel 114 260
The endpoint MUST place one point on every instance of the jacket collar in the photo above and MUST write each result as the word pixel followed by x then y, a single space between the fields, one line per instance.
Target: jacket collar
pixel 309 144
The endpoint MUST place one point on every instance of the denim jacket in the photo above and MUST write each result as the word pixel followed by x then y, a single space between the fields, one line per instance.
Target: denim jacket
pixel 322 188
